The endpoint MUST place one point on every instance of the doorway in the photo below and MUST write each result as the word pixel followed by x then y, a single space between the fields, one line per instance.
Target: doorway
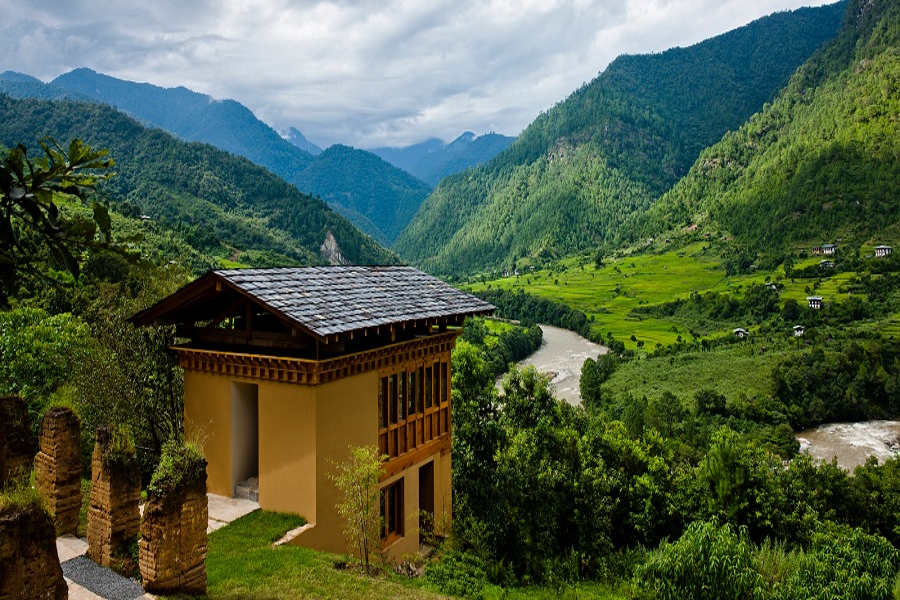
pixel 245 439
pixel 426 497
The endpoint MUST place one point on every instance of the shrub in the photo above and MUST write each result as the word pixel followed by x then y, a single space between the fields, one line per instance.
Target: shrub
pixel 708 561
pixel 841 563
pixel 458 574
pixel 181 467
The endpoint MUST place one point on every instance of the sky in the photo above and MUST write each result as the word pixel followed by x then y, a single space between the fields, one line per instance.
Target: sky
pixel 368 74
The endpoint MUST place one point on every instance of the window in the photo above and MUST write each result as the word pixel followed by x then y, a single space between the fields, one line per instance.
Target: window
pixel 444 386
pixel 393 411
pixel 411 393
pixel 428 391
pixel 382 402
pixel 392 509
pixel 420 398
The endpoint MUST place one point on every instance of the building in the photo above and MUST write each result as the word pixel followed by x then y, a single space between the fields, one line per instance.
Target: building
pixel 287 368
pixel 881 251
pixel 814 302
pixel 741 332
pixel 799 330
pixel 828 249
pixel 772 286
pixel 826 264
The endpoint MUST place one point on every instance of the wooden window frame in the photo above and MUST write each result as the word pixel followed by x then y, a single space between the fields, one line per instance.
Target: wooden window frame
pixel 404 431
pixel 391 506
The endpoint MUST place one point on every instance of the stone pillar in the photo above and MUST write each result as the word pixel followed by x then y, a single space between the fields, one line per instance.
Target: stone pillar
pixel 113 517
pixel 57 467
pixel 29 564
pixel 173 541
pixel 16 442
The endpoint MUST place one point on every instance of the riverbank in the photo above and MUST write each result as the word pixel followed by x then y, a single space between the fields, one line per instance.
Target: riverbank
pixel 852 443
pixel 560 356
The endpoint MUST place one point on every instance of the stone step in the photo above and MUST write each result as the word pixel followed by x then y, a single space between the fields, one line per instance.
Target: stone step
pixel 247 489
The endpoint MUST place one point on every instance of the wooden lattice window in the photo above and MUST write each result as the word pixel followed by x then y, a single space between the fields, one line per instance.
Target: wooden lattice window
pixel 413 407
pixel 392 510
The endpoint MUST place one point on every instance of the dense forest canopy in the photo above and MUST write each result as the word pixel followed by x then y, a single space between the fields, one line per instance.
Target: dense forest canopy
pixel 611 148
pixel 819 163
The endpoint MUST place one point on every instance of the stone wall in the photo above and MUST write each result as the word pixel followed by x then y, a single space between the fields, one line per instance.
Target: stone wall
pixel 173 542
pixel 29 564
pixel 57 467
pixel 113 516
pixel 16 443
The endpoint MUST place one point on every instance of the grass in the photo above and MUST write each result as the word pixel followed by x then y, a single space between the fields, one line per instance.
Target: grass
pixel 18 496
pixel 242 563
pixel 734 370
pixel 609 294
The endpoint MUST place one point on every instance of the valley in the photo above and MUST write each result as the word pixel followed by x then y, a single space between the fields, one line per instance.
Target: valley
pixel 647 349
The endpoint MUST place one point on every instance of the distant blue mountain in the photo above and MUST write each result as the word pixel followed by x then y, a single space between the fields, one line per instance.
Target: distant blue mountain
pixel 387 194
pixel 432 160
pixel 298 139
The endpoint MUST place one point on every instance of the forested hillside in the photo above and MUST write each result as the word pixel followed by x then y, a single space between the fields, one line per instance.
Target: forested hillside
pixel 585 166
pixel 20 85
pixel 377 197
pixel 432 160
pixel 218 203
pixel 821 162
pixel 359 185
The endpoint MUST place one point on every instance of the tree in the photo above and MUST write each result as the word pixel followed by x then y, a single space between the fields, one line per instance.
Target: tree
pixel 31 227
pixel 357 479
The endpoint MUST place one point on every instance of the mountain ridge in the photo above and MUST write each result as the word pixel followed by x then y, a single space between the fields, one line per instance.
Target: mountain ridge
pixel 583 167
pixel 220 203
pixel 433 159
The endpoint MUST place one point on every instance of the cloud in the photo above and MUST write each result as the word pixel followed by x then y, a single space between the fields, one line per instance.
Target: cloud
pixel 365 73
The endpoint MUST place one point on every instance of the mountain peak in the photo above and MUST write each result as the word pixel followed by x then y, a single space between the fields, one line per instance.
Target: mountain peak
pixel 294 136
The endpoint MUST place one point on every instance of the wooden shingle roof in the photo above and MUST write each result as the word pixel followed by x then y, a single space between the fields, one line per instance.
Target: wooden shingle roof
pixel 332 300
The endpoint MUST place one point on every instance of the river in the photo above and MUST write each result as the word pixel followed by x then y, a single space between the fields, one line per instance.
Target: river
pixel 852 443
pixel 560 356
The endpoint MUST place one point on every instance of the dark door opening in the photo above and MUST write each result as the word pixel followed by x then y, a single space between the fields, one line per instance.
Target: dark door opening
pixel 426 497
pixel 245 440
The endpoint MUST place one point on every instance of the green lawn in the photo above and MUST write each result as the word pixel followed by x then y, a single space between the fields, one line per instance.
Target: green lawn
pixel 242 563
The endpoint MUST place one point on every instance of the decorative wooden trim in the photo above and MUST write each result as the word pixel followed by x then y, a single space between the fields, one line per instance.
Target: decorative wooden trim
pixel 303 371
pixel 439 445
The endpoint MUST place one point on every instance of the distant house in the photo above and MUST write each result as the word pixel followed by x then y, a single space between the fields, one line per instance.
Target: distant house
pixel 829 249
pixel 741 332
pixel 772 286
pixel 826 264
pixel 881 251
pixel 799 330
pixel 145 217
pixel 815 302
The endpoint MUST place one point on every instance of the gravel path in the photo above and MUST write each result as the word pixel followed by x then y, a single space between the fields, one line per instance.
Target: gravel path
pixel 100 580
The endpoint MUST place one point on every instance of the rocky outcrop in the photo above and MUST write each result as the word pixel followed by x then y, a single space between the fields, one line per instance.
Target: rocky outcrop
pixel 29 564
pixel 16 443
pixel 173 541
pixel 330 250
pixel 113 516
pixel 57 467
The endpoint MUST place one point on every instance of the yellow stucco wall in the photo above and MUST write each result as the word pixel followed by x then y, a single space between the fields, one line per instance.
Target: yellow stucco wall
pixel 207 420
pixel 303 430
